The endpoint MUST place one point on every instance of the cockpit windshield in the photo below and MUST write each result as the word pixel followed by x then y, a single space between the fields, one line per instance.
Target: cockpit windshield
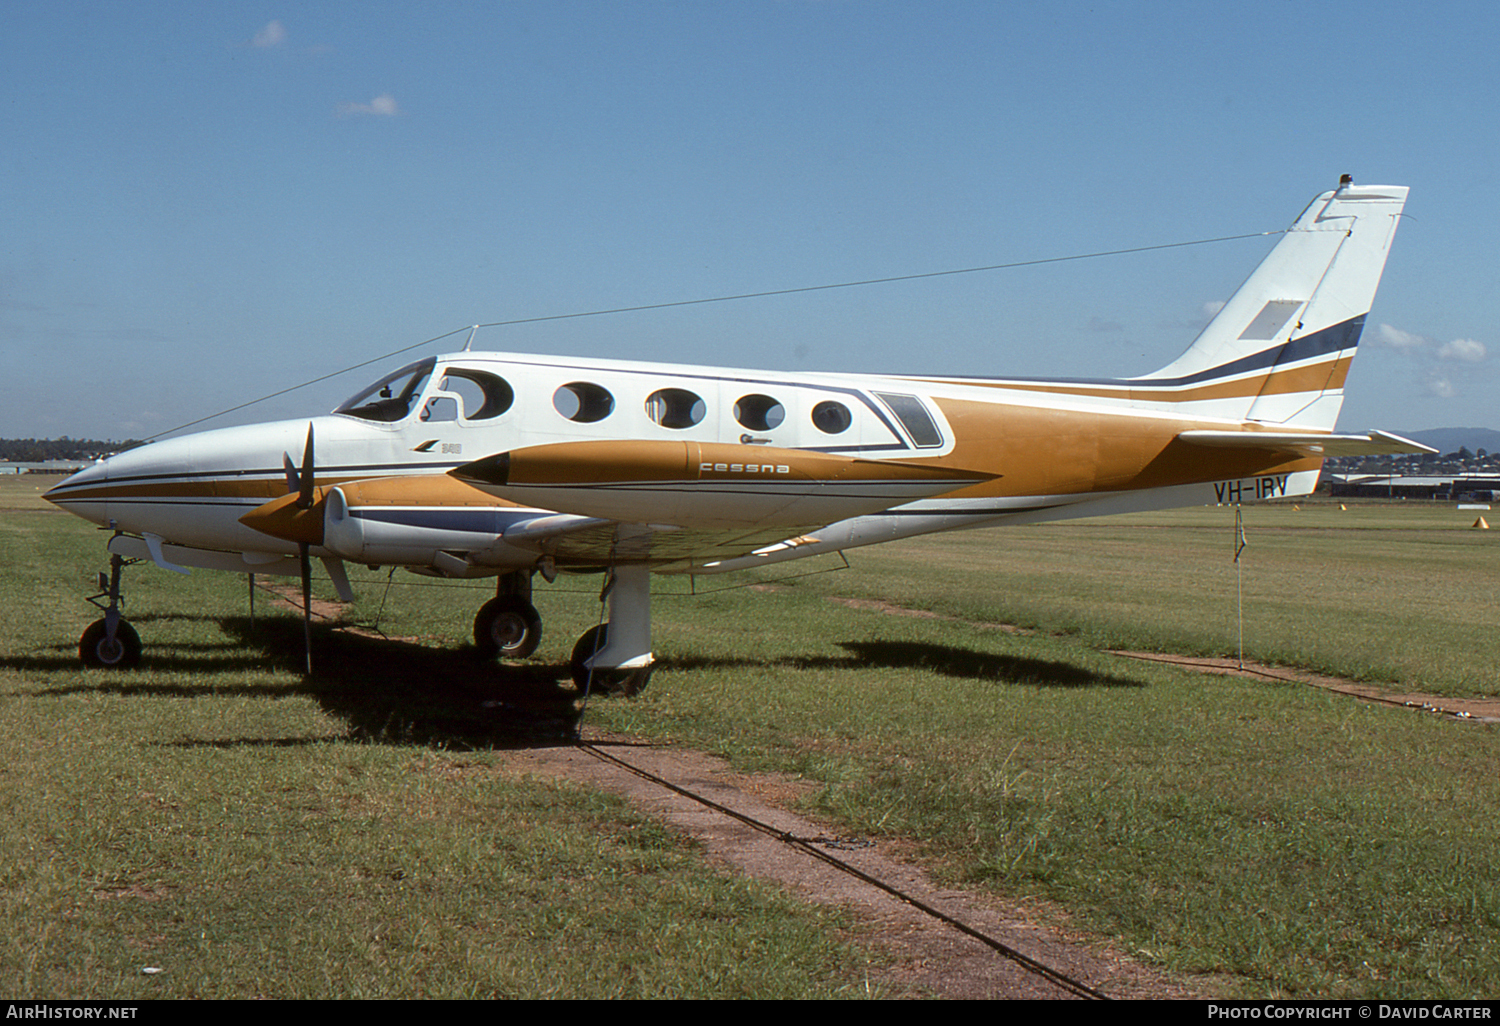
pixel 390 399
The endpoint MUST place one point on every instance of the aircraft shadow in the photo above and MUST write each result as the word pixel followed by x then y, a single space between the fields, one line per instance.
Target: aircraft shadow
pixel 971 665
pixel 943 659
pixel 217 659
pixel 392 691
pixel 400 692
pixel 387 691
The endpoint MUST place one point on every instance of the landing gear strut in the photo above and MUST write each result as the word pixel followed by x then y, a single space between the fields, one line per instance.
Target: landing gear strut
pixel 508 625
pixel 616 656
pixel 110 642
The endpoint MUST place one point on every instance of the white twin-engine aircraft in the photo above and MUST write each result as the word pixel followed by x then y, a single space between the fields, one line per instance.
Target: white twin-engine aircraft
pixel 478 464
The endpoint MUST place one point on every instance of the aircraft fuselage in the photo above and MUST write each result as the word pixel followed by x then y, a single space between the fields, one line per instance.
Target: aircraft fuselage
pixel 1041 455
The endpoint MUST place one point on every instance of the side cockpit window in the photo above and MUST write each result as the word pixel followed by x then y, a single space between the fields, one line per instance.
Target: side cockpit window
pixel 481 394
pixel 440 408
pixel 390 399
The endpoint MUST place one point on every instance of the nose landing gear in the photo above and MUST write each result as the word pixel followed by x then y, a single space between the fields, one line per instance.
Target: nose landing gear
pixel 110 642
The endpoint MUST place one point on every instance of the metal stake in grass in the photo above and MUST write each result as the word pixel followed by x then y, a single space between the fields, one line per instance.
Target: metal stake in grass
pixel 1239 574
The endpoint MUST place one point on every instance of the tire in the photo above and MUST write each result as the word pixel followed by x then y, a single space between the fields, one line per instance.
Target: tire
pixel 609 682
pixel 98 652
pixel 507 627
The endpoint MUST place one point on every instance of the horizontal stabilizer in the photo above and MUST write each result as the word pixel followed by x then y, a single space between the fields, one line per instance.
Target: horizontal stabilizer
pixel 1375 443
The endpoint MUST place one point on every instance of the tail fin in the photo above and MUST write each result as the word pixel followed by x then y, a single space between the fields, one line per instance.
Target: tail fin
pixel 1279 350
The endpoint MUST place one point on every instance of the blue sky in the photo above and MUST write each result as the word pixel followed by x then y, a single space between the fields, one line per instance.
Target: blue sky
pixel 204 203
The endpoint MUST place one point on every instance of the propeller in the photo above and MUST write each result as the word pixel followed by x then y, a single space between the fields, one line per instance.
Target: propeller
pixel 296 516
pixel 304 548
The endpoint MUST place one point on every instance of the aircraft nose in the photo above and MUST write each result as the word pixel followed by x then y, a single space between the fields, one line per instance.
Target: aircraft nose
pixel 69 493
pixel 103 492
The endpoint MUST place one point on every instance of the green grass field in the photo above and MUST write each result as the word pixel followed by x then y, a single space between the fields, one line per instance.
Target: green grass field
pixel 1393 593
pixel 251 833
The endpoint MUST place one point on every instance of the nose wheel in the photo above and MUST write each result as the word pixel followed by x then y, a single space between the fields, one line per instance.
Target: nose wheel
pixel 110 642
pixel 101 652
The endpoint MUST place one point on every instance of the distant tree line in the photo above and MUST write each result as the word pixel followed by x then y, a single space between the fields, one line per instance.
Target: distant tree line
pixel 37 450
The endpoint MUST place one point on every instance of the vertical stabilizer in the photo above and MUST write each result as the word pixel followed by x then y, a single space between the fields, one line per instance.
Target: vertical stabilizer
pixel 1282 345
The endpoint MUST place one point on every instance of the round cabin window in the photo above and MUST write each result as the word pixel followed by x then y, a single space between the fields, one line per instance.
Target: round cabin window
pixel 583 402
pixel 831 417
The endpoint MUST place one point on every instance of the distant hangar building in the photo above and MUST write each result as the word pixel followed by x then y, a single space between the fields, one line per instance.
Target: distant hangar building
pixel 1445 487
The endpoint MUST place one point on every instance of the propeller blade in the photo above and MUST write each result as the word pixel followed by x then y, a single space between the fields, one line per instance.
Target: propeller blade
pixel 305 493
pixel 293 482
pixel 303 552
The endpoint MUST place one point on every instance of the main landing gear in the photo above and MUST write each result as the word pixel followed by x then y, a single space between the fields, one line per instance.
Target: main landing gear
pixel 110 642
pixel 508 625
pixel 614 657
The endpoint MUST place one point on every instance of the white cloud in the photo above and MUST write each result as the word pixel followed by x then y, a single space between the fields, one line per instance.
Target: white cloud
pixel 1398 339
pixel 274 34
pixel 1465 349
pixel 1211 310
pixel 384 105
pixel 1441 387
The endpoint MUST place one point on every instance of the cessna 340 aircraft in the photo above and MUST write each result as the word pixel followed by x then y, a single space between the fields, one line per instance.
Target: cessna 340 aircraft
pixel 479 464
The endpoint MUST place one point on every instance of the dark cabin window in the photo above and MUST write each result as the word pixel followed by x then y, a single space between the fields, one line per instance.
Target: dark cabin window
pixel 831 418
pixel 759 412
pixel 583 402
pixel 675 407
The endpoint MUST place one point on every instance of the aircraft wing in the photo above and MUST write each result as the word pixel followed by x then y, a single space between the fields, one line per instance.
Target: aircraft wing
pixel 592 542
pixel 674 502
pixel 669 505
pixel 443 524
pixel 1373 443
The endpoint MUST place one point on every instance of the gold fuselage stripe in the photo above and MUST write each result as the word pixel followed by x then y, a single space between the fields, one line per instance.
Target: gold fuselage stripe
pixel 1317 377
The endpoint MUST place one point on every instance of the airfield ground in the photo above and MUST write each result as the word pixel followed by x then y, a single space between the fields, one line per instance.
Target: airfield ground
pixel 396 826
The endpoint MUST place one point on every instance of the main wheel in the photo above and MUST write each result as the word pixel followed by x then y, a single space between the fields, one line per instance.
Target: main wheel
pixel 610 681
pixel 507 627
pixel 98 651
